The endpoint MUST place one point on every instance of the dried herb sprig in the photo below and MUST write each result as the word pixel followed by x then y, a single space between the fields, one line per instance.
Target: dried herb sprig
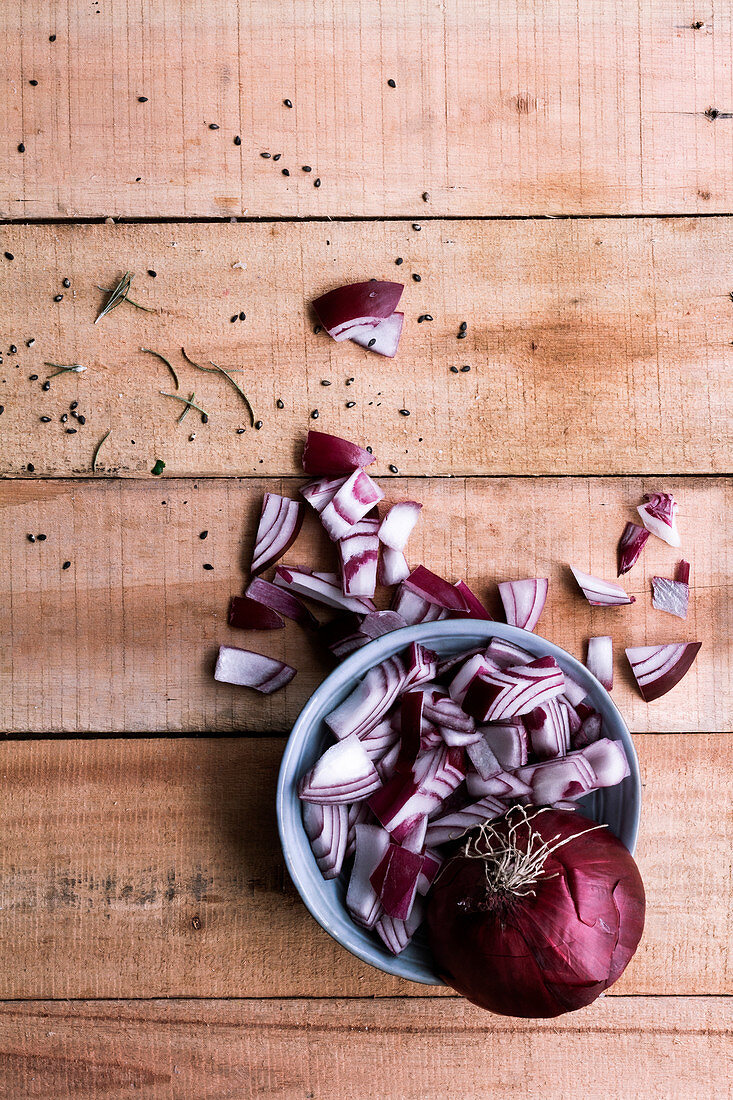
pixel 189 402
pixel 71 368
pixel 216 369
pixel 164 360
pixel 98 448
pixel 117 295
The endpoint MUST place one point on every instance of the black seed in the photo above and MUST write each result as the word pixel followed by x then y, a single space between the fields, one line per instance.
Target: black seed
pixel 233 319
pixel 277 157
pixel 371 452
pixel 32 377
pixel 204 418
pixel 203 534
pixel 213 126
pixel 74 405
pixel 64 417
pixel 266 156
pixel 66 565
pixel 350 404
pixel 152 274
pixel 21 148
pixel 41 538
pixel 372 342
pixel 142 99
pixel 454 370
pixel 207 565
pixel 316 329
pixel 426 196
pixel 81 420
pixel 46 385
pixel 463 326
pixel 240 431
pixel 465 369
pixel 243 316
pixel 461 336
pixel 287 102
pixel 280 404
pixel 325 382
pixel 315 414
pixel 52 37
pixel 391 84
pixel 258 425
pixel 30 468
pixel 30 343
pixel 33 83
pixel 285 172
pixel 237 140
pixel 399 261
pixel 66 283
pixel 416 278
pixel 416 226
pixel 71 431
pixel 393 470
pixel 316 182
pixel 45 419
pixel 307 168
pixel 404 412
pixel 12 349
pixel 9 256
pixel 58 297
pixel 31 538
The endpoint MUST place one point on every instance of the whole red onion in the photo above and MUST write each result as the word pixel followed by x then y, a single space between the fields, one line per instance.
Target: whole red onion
pixel 539 913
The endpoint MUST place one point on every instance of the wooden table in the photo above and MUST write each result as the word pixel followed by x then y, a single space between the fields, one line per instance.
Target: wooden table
pixel 560 176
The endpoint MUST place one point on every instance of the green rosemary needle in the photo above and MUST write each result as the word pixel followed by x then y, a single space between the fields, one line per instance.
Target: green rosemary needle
pixel 72 368
pixel 117 295
pixel 187 401
pixel 164 360
pixel 239 390
pixel 98 448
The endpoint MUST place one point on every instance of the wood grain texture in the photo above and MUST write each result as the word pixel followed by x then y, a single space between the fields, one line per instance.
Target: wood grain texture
pixel 153 868
pixel 627 1048
pixel 595 347
pixel 124 641
pixel 498 108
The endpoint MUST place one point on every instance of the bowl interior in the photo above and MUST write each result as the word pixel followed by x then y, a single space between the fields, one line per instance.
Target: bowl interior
pixel 619 807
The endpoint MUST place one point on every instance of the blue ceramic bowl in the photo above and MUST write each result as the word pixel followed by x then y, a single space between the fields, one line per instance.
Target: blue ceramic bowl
pixel 619 807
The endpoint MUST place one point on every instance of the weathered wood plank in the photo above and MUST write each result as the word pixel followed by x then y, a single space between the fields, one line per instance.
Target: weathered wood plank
pixel 595 347
pixel 124 640
pixel 636 1048
pixel 153 868
pixel 554 108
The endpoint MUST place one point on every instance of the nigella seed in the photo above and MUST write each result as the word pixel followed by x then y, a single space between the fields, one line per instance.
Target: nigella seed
pixel 237 140
pixel 417 278
pixel 240 431
pixel 213 126
pixel 74 405
pixel 204 418
pixel 81 420
pixel 46 385
pixel 371 452
pixel 233 319
pixel 142 99
pixel 277 157
pixel 41 538
pixel 31 538
pixel 372 342
pixel 152 274
pixel 12 349
pixel 242 316
pixel 461 336
pixel 208 565
pixel 454 370
pixel 399 261
pixel 393 469
pixel 9 256
pixel 52 37
pixel 280 404
pixel 64 417
pixel 21 148
pixel 32 377
pixel 266 156
pixel 30 343
pixel 391 84
pixel 30 468
pixel 58 297
pixel 317 183
pixel 307 168
pixel 325 382
pixel 315 414
pixel 350 404
pixel 33 83
pixel 426 196
pixel 285 172
pixel 317 329
pixel 463 326
pixel 66 565
pixel 45 419
pixel 203 534
pixel 2 409
pixel 71 431
pixel 258 424
pixel 404 412
pixel 416 226
pixel 66 283
pixel 288 102
pixel 465 369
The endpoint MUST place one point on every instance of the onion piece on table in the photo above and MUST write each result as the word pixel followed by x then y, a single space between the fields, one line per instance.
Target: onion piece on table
pixel 344 773
pixel 414 609
pixel 601 593
pixel 397 525
pixel 393 567
pixel 474 609
pixel 327 829
pixel 434 589
pixel 358 554
pixel 599 659
pixel 350 504
pixel 321 492
pixel 384 338
pixel 324 588
pixel 248 614
pixel 247 669
pixel 278 529
pixel 523 601
pixel 350 307
pixel 671 596
pixel 659 515
pixel 658 668
pixel 377 623
pixel 277 599
pixel 632 542
pixel 330 456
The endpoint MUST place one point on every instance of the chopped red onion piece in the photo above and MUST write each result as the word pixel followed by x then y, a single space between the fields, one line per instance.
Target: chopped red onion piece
pixel 327 828
pixel 330 456
pixel 350 307
pixel 568 777
pixel 507 654
pixel 574 692
pixel 383 338
pixel 412 834
pixel 549 730
pixel 505 785
pixel 247 614
pixel 387 764
pixel 599 660
pixel 278 529
pixel 523 601
pixel 400 800
pixel 432 862
pixel 658 668
pixel 411 718
pixel 448 664
pixel 324 588
pixel 393 567
pixel 380 739
pixel 396 934
pixel 485 763
pixel 508 742
pixel 414 609
pixel 429 586
pixel 671 596
pixel 395 880
pixel 683 572
pixel 358 553
pixel 320 493
pixel 358 814
pixel 474 608
pixel 498 694
pixel 421 665
pixel 248 669
pixel 281 601
pixel 378 623
pixel 350 504
pixel 370 700
pixel 398 524
pixel 600 593
pixel 608 760
pixel 574 720
pixel 659 515
pixel 460 683
pixel 632 542
pixel 343 774
pixel 453 825
pixel 590 730
pixel 362 900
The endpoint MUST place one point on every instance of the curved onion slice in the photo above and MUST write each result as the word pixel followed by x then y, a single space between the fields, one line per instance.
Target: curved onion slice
pixel 278 529
pixel 384 339
pixel 600 593
pixel 507 654
pixel 659 515
pixel 327 829
pixel 350 504
pixel 498 694
pixel 324 588
pixel 632 542
pixel 247 614
pixel 330 455
pixel 396 934
pixel 421 665
pixel 362 900
pixel 343 774
pixel 523 601
pixel 503 785
pixel 658 668
pixel 247 669
pixel 358 814
pixel 358 553
pixel 474 609
pixel 355 305
pixel 434 589
pixel 320 493
pixel 549 730
pixel 568 777
pixel 432 862
pixel 599 660
pixel 370 700
pixel 263 592
pixel 683 572
pixel 671 596
pixel 393 567
pixel 414 609
pixel 397 525
pixel 453 825
pixel 378 623
pixel 461 681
